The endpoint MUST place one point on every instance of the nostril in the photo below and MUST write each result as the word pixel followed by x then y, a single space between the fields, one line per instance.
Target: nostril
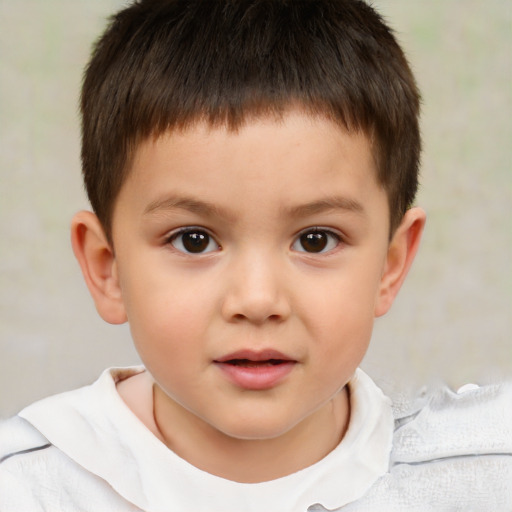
pixel 239 317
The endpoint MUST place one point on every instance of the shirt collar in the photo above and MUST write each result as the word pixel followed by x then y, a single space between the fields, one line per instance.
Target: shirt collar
pixel 95 428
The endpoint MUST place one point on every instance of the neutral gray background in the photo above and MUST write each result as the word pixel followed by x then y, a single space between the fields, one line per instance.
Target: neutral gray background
pixel 453 318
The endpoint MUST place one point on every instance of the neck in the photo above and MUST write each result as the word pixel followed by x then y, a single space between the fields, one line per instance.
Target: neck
pixel 251 460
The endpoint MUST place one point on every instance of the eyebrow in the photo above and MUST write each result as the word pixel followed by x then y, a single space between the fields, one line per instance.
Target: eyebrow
pixel 207 209
pixel 202 208
pixel 327 204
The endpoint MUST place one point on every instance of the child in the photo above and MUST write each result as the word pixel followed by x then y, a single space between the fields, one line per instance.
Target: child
pixel 252 166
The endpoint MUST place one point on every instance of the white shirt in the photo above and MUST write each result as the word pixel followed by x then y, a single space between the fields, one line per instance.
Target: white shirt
pixel 86 451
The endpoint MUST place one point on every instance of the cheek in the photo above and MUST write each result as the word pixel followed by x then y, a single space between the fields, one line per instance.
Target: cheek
pixel 167 316
pixel 347 338
pixel 341 318
pixel 169 340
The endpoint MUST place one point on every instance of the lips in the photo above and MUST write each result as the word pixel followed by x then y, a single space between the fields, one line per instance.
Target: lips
pixel 254 356
pixel 255 370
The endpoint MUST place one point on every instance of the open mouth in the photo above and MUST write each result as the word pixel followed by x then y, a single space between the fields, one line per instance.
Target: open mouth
pixel 248 363
pixel 256 370
pixel 255 359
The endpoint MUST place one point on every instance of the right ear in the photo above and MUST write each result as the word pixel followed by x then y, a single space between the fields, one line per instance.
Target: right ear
pixel 99 268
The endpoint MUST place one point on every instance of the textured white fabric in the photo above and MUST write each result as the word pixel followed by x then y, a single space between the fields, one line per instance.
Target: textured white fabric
pixel 103 458
pixel 451 452
pixel 454 453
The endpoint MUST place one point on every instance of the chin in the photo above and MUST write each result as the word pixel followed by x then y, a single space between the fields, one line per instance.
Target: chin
pixel 255 429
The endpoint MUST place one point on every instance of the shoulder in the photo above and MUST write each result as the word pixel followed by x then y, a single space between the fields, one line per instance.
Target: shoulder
pixel 23 450
pixel 17 437
pixel 475 420
pixel 35 475
pixel 451 452
pixel 457 448
pixel 39 469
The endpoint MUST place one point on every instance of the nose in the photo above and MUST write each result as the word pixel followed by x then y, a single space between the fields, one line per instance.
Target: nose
pixel 256 290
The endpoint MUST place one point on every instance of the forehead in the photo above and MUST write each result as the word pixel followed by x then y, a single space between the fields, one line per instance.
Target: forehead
pixel 295 159
pixel 294 132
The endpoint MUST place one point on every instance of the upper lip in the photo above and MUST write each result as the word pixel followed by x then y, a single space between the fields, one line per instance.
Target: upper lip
pixel 255 355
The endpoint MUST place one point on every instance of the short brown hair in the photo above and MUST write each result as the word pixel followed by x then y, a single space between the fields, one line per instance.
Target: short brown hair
pixel 163 64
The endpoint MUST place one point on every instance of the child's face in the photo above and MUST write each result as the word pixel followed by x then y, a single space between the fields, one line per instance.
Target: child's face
pixel 250 266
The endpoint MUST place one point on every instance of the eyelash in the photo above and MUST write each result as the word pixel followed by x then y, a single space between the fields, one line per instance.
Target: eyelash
pixel 212 245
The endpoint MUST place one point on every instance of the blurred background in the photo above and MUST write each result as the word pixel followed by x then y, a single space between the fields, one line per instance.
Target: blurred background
pixel 452 320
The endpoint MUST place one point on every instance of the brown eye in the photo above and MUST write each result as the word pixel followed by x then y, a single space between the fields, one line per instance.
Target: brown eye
pixel 194 242
pixel 313 242
pixel 316 241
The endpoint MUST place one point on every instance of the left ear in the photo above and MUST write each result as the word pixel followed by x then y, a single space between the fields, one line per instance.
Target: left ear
pixel 401 252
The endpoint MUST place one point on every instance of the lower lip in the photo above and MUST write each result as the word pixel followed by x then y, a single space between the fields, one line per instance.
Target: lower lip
pixel 256 377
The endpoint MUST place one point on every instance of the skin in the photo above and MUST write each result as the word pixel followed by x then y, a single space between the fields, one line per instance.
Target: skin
pixel 251 195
